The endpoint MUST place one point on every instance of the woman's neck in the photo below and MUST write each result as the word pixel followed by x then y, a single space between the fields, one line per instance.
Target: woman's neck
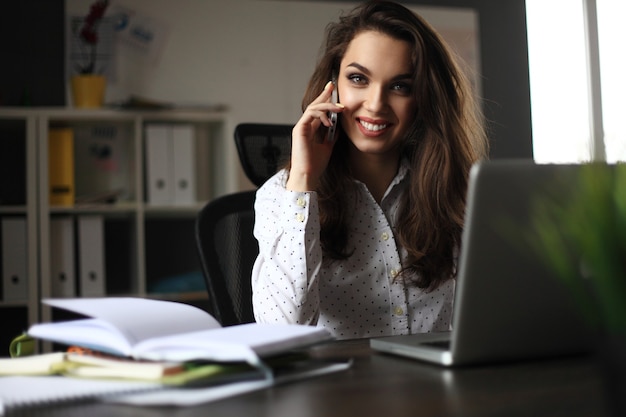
pixel 376 171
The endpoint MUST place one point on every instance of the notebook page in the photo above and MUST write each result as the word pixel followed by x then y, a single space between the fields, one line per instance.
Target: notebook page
pixel 138 318
pixel 232 343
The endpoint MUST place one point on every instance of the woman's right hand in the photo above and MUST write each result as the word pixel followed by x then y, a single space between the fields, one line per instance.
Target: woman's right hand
pixel 309 157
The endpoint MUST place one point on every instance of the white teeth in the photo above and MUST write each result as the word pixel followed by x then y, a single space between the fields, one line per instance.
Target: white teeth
pixel 371 126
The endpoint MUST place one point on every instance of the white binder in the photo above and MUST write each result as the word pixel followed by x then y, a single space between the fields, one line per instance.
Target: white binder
pixel 158 170
pixel 62 259
pixel 14 259
pixel 183 167
pixel 92 274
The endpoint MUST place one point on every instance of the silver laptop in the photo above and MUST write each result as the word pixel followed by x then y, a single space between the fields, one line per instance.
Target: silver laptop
pixel 508 304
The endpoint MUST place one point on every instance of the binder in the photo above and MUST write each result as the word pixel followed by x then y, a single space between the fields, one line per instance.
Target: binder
pixel 14 259
pixel 158 149
pixel 183 167
pixel 102 156
pixel 61 166
pixel 91 267
pixel 62 259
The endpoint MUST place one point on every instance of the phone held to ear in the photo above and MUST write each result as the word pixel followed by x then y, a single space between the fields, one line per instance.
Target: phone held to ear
pixel 333 116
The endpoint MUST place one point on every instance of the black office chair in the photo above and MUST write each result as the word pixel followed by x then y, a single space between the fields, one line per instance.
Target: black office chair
pixel 223 229
pixel 262 148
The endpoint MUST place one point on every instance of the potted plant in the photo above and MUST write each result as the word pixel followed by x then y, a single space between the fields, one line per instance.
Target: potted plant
pixel 584 241
pixel 88 85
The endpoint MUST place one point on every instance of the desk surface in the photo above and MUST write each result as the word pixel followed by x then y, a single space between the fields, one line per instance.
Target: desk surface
pixel 388 386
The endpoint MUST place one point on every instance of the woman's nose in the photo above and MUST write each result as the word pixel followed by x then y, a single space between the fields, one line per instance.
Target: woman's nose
pixel 376 99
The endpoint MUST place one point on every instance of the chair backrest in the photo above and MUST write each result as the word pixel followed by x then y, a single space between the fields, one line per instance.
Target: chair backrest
pixel 263 149
pixel 227 250
pixel 224 227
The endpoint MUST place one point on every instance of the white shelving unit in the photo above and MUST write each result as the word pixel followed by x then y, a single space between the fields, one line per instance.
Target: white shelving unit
pixel 144 244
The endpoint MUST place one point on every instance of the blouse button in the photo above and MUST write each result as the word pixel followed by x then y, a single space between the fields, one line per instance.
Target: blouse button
pixel 398 311
pixel 300 217
pixel 301 202
pixel 393 273
pixel 384 236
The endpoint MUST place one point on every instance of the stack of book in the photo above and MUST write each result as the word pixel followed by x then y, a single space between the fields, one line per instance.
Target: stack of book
pixel 159 344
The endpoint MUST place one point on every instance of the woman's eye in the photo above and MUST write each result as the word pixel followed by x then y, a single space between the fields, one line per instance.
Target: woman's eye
pixel 402 88
pixel 357 79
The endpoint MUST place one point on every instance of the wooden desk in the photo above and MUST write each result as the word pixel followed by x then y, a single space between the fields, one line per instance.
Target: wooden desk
pixel 387 386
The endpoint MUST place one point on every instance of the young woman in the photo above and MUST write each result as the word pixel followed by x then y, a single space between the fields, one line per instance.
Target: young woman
pixel 360 232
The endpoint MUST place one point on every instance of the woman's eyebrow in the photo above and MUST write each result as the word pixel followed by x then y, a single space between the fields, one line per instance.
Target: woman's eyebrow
pixel 366 71
pixel 359 67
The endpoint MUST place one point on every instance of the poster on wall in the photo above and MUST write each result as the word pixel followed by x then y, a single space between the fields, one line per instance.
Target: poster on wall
pixel 145 34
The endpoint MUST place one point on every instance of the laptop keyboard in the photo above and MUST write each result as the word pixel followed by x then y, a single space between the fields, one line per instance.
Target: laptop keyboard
pixel 441 344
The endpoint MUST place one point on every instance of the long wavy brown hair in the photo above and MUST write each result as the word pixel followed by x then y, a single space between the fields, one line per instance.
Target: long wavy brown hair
pixel 445 139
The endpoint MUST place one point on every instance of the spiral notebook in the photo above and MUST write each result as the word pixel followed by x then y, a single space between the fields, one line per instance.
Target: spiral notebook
pixel 25 391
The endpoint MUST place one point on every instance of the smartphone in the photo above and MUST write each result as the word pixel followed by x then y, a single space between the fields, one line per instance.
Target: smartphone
pixel 332 115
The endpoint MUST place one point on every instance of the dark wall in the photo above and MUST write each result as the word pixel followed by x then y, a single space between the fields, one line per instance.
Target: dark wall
pixel 504 65
pixel 33 51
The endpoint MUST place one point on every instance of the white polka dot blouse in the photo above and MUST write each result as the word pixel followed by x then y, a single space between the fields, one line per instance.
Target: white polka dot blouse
pixel 352 298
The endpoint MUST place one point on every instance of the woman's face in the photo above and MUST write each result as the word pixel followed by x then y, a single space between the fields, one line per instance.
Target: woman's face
pixel 375 85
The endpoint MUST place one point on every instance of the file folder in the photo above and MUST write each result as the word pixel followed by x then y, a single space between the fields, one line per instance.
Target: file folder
pixel 14 259
pixel 91 267
pixel 183 145
pixel 62 259
pixel 61 166
pixel 158 150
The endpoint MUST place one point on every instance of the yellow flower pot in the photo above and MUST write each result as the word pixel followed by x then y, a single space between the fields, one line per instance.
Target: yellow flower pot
pixel 88 90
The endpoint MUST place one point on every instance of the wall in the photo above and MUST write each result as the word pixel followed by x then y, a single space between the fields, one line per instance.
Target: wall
pixel 504 72
pixel 256 56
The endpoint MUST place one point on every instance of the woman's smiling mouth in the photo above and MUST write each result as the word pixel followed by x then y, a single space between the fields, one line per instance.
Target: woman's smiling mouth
pixel 374 127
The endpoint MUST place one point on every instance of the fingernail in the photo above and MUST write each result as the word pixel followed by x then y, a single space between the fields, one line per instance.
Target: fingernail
pixel 341 106
pixel 328 84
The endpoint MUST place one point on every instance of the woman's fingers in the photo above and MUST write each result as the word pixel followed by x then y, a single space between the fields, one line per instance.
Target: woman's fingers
pixel 309 157
pixel 320 107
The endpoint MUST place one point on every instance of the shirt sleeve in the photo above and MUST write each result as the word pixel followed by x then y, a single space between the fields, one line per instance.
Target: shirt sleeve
pixel 286 271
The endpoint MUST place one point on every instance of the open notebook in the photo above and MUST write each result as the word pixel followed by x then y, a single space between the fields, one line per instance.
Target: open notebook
pixel 508 304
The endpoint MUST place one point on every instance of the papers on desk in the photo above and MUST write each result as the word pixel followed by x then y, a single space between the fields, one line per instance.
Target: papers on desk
pixel 188 348
pixel 28 391
pixel 196 396
pixel 31 365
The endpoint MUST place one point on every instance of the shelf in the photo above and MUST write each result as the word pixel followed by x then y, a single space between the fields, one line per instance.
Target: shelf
pixel 173 211
pixel 147 249
pixel 13 209
pixel 124 207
